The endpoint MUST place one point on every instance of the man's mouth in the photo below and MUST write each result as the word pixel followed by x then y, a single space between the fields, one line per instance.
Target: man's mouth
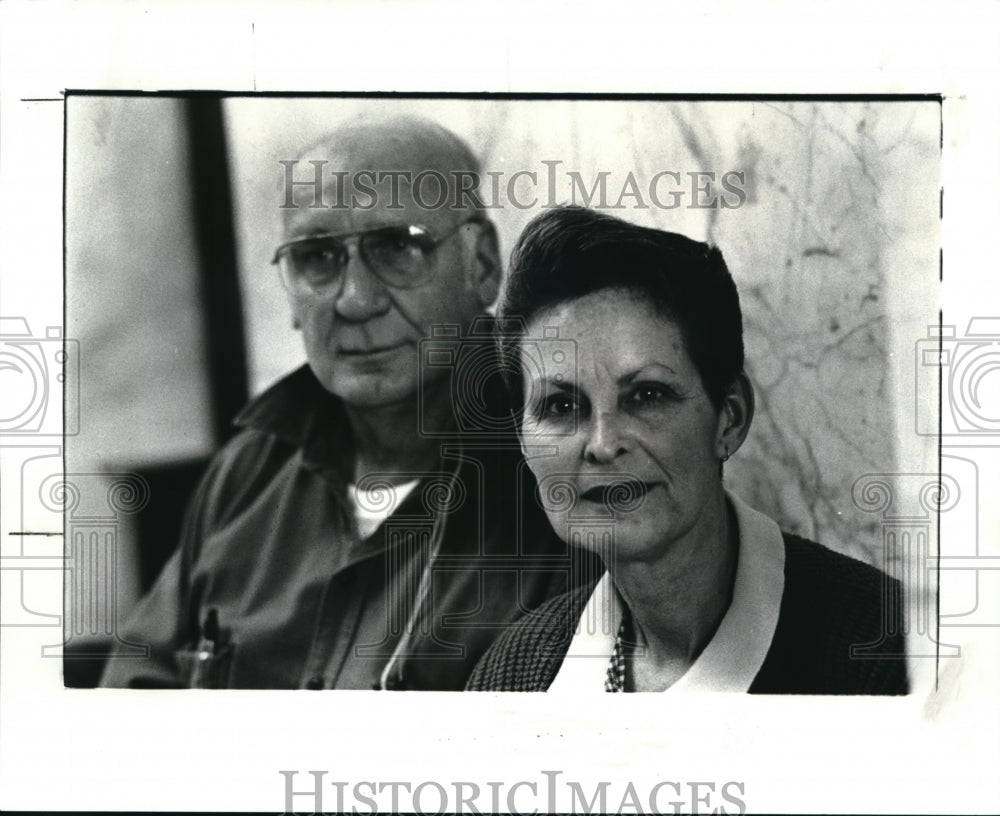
pixel 371 351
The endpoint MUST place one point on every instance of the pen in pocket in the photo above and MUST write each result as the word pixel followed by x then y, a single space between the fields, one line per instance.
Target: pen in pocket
pixel 207 666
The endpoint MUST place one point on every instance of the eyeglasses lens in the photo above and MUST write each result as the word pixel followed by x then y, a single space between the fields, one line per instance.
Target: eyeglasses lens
pixel 398 256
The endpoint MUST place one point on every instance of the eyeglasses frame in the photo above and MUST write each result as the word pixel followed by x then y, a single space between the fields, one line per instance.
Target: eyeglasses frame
pixel 434 243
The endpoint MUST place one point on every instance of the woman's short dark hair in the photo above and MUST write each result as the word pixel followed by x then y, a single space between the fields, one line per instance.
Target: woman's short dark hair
pixel 569 252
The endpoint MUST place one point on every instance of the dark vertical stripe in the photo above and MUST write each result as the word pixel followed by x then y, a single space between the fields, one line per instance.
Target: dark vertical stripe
pixel 217 268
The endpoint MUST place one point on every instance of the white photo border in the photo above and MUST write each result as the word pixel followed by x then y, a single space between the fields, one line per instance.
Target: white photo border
pixel 68 749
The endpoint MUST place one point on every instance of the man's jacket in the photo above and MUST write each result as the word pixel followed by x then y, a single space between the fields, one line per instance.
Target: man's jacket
pixel 271 586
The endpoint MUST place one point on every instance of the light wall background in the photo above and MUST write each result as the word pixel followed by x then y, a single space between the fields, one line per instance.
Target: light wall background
pixel 835 254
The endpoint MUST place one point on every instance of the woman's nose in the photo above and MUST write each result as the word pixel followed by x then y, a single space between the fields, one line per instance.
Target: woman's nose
pixel 606 440
pixel 362 295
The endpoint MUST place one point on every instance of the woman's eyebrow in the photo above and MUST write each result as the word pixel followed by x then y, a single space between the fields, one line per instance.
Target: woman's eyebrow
pixel 559 384
pixel 651 369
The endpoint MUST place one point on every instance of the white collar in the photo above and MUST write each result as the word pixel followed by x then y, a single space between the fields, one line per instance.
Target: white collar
pixel 736 652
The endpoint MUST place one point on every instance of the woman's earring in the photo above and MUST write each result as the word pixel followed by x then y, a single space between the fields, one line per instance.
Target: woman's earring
pixel 725 456
pixel 296 323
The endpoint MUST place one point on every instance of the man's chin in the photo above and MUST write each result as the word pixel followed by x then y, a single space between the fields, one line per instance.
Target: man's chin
pixel 374 391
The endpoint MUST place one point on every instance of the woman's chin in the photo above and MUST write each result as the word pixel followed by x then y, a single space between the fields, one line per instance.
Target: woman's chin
pixel 616 539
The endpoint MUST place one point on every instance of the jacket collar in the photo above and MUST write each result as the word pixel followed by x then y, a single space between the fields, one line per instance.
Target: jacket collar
pixel 299 411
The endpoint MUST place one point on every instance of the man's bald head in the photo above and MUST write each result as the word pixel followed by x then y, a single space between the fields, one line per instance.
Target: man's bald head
pixel 405 139
pixel 389 163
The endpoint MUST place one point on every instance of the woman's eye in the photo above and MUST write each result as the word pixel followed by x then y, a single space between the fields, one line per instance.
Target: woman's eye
pixel 645 394
pixel 557 406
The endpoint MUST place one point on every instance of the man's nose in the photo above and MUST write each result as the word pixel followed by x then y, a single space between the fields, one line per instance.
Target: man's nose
pixel 606 438
pixel 362 295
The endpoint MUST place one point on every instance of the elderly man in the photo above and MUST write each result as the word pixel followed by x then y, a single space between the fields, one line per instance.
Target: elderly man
pixel 372 525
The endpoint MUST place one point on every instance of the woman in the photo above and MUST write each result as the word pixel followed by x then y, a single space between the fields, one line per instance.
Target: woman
pixel 626 354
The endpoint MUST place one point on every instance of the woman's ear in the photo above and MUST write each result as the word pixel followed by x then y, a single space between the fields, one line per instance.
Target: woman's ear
pixel 736 416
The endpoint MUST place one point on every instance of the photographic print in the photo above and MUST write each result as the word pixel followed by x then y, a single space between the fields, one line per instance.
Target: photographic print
pixel 794 194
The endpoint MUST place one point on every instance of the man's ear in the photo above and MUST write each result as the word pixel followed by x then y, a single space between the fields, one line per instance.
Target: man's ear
pixel 293 307
pixel 736 416
pixel 484 277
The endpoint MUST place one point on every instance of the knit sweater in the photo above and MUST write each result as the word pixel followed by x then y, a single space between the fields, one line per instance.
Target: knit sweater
pixel 830 604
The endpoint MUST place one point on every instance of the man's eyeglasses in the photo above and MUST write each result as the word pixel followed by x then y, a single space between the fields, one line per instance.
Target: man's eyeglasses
pixel 400 256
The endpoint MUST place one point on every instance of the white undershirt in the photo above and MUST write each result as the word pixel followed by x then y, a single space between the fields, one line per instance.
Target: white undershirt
pixel 372 507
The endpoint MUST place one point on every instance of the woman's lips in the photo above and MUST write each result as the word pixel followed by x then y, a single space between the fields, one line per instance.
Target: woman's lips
pixel 625 491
